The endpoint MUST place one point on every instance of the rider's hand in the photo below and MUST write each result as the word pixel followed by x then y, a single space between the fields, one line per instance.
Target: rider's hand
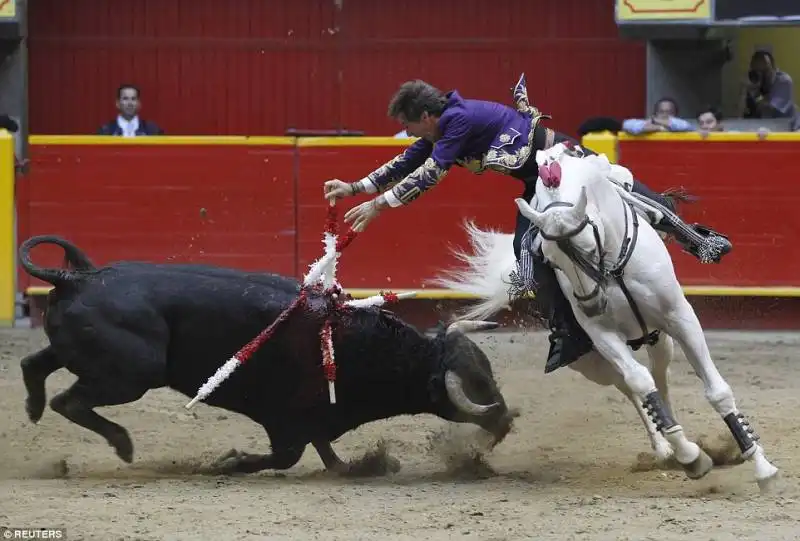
pixel 337 189
pixel 362 215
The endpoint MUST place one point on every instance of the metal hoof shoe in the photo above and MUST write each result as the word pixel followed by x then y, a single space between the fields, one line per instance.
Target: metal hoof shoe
pixel 698 468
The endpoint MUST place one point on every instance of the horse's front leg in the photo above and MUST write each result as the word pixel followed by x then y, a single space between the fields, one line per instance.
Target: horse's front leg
pixel 684 326
pixel 695 462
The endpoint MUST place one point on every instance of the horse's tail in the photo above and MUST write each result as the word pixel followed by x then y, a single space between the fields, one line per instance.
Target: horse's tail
pixel 486 274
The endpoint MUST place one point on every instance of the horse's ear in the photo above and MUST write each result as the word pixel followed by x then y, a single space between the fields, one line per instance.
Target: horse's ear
pixel 580 204
pixel 528 211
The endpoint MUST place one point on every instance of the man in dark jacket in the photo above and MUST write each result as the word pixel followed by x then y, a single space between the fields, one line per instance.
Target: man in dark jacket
pixel 128 123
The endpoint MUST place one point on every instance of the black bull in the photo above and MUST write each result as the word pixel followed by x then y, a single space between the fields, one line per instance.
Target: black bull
pixel 129 327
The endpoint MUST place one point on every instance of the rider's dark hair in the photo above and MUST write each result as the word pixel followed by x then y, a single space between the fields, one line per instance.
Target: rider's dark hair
pixel 417 97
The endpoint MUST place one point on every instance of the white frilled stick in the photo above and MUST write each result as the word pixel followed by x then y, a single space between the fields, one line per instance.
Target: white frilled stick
pixel 213 382
pixel 377 300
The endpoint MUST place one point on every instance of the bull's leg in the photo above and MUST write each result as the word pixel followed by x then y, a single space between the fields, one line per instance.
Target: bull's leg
pixel 329 456
pixel 35 370
pixel 281 458
pixel 596 369
pixel 685 327
pixel 78 402
pixel 640 382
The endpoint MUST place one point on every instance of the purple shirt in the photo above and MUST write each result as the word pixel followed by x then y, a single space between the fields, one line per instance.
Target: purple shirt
pixel 475 134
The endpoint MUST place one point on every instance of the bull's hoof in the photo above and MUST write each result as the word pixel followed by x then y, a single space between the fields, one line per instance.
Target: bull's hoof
pixel 370 466
pixel 229 463
pixel 698 468
pixel 34 407
pixel 235 461
pixel 122 444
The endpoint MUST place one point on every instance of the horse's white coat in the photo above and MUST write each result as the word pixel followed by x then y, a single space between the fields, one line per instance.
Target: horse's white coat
pixel 591 184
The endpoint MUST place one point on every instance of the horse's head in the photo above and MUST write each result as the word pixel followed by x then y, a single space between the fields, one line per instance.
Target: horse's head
pixel 567 218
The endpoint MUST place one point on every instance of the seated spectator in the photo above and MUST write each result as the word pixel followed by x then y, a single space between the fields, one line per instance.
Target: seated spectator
pixel 709 120
pixel 664 118
pixel 128 123
pixel 768 91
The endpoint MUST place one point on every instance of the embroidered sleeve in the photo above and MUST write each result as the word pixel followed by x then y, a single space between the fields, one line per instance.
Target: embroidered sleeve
pixel 397 168
pixel 454 136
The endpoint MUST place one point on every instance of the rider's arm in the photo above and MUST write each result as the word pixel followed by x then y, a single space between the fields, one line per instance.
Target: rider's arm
pixel 395 169
pixel 455 129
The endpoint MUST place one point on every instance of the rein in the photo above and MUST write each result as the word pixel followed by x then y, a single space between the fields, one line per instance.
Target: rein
pixel 600 274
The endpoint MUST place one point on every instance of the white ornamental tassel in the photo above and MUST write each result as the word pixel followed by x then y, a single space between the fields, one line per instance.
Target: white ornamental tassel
pixel 329 276
pixel 377 300
pixel 222 373
pixel 318 269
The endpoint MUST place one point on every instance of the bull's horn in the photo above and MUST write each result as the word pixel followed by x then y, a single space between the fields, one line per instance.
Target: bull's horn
pixel 455 391
pixel 471 325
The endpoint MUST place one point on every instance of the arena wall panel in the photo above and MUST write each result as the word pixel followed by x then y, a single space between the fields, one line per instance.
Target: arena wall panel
pixel 223 201
pixel 747 189
pixel 406 246
pixel 257 204
pixel 258 67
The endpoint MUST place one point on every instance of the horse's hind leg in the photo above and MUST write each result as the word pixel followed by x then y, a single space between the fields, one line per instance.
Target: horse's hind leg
pixel 638 379
pixel 686 329
pixel 35 370
pixel 596 369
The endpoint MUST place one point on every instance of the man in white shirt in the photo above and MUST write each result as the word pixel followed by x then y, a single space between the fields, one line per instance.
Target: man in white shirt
pixel 128 123
pixel 664 119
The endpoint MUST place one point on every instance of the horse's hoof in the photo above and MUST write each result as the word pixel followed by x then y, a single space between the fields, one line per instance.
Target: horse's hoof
pixel 699 467
pixel 767 484
pixel 663 451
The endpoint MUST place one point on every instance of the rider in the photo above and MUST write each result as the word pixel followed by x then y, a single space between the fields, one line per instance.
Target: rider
pixel 481 135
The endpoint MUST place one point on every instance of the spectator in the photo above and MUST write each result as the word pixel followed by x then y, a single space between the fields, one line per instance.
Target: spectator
pixel 768 91
pixel 664 118
pixel 710 120
pixel 128 123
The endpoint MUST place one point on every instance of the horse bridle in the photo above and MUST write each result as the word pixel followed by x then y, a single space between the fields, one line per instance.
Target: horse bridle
pixel 600 274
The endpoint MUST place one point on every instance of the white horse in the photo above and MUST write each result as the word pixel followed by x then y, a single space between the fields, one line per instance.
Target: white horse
pixel 620 280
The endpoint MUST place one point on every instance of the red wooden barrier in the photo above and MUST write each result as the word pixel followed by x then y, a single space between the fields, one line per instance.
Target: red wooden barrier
pixel 748 190
pixel 257 204
pixel 228 204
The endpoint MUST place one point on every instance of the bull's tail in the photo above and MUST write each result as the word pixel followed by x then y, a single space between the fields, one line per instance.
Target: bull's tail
pixel 486 274
pixel 73 258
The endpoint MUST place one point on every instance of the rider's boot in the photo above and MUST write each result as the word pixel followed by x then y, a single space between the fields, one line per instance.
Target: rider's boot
pixel 568 340
pixel 699 240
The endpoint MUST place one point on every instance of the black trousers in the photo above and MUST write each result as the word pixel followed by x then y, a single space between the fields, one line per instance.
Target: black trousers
pixel 552 303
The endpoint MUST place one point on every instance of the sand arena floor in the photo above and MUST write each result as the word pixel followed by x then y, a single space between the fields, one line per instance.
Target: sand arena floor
pixel 576 466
